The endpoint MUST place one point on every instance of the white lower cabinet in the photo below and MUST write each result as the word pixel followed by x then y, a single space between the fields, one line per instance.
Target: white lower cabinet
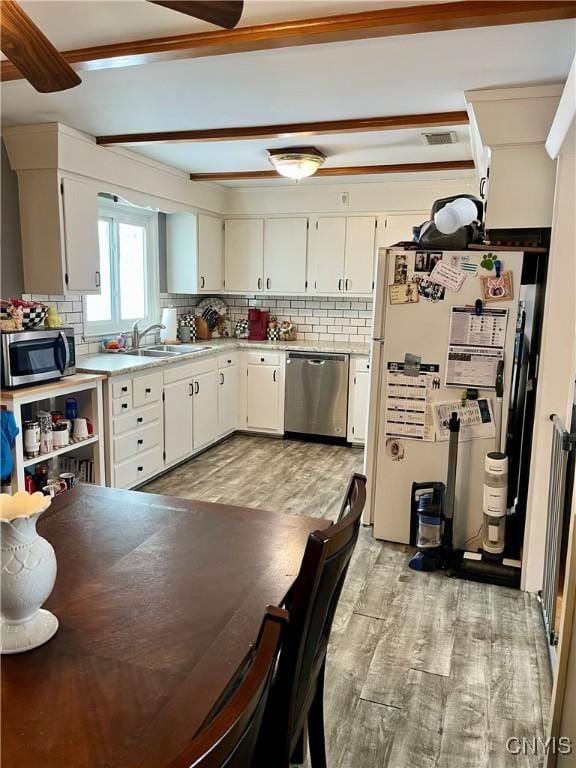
pixel 205 409
pixel 265 392
pixel 228 396
pixel 177 420
pixel 135 427
pixel 358 396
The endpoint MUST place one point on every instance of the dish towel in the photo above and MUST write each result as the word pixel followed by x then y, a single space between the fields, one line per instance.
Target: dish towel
pixel 8 431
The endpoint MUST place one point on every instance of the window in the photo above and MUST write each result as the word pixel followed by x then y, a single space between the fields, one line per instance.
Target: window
pixel 128 240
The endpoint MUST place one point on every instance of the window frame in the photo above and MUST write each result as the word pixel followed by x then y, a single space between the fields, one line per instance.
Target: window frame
pixel 120 213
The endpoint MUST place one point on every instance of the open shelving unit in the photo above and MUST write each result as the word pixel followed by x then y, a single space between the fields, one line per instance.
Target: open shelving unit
pixel 26 401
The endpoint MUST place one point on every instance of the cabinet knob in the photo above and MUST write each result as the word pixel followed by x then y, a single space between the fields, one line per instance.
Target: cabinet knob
pixel 140 469
pixel 124 389
pixel 147 390
pixel 97 278
pixel 140 442
pixel 139 419
pixel 347 284
pixel 202 282
pixel 124 405
pixel 259 283
pixel 274 375
pixel 221 378
pixel 196 387
pixel 268 283
pixel 340 284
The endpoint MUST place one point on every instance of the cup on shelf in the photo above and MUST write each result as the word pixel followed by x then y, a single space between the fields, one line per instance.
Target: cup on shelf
pixel 80 428
pixel 60 435
pixel 69 478
pixel 54 488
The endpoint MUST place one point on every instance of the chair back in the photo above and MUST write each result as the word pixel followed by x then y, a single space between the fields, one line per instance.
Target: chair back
pixel 312 604
pixel 229 739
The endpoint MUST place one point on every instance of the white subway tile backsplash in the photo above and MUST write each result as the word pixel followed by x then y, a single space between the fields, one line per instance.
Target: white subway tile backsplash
pixel 317 318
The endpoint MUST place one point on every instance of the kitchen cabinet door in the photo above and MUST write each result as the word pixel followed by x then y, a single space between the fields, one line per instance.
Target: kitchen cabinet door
pixel 182 253
pixel 228 400
pixel 210 254
pixel 178 432
pixel 205 409
pixel 263 398
pixel 398 227
pixel 80 216
pixel 285 247
pixel 327 244
pixel 244 254
pixel 360 253
pixel 358 407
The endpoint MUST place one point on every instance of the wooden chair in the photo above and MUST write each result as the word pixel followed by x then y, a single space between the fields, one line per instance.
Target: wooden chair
pixel 296 700
pixel 229 739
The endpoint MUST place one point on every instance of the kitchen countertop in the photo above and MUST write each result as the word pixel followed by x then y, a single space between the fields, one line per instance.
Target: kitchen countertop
pixel 115 364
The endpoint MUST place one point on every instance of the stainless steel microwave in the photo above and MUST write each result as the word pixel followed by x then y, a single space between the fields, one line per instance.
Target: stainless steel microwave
pixel 32 356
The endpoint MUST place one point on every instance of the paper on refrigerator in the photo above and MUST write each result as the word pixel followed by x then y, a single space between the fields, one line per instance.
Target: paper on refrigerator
pixel 409 402
pixel 475 346
pixel 476 418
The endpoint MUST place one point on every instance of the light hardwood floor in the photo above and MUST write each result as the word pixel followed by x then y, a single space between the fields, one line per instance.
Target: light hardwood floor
pixel 423 671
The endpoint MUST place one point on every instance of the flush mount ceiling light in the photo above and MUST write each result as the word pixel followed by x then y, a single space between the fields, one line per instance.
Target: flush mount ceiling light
pixel 296 162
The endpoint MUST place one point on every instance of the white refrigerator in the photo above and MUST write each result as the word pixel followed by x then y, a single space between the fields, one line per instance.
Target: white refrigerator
pixel 432 343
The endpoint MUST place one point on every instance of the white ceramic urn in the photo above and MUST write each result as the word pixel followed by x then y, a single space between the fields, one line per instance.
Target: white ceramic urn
pixel 28 573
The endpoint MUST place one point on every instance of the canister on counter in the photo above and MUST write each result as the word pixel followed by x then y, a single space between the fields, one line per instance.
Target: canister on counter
pixel 31 434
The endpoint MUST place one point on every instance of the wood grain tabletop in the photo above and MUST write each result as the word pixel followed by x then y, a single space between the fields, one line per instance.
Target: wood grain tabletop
pixel 159 600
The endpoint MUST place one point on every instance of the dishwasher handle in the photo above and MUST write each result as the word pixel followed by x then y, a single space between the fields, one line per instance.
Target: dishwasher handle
pixel 316 362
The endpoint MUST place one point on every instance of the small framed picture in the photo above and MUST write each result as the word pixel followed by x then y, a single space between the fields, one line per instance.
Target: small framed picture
pixel 497 288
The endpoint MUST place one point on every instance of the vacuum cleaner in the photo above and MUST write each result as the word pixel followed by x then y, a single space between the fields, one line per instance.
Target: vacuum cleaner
pixel 489 565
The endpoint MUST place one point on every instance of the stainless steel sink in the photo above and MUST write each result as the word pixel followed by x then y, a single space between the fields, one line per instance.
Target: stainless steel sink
pixel 175 349
pixel 150 353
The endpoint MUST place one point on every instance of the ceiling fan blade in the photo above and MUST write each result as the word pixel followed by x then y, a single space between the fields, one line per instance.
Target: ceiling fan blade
pixel 31 52
pixel 224 13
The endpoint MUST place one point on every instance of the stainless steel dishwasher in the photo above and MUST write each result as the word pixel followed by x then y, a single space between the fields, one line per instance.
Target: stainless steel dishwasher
pixel 316 394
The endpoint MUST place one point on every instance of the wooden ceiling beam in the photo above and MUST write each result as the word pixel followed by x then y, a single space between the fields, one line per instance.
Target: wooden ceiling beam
pixel 406 20
pixel 354 170
pixel 290 130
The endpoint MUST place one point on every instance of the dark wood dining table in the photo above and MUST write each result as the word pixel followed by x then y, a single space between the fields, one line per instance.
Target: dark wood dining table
pixel 159 601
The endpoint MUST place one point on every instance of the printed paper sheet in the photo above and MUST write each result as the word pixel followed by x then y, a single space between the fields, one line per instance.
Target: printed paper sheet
pixel 476 418
pixel 408 401
pixel 476 344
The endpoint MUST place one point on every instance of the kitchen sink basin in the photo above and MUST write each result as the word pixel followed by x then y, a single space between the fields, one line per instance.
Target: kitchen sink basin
pixel 175 349
pixel 150 353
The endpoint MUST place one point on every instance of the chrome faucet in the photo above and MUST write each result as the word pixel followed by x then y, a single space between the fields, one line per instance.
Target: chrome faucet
pixel 138 335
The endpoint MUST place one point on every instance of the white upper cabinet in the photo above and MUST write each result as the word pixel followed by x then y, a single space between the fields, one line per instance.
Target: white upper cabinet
pixel 285 248
pixel 327 245
pixel 182 253
pixel 59 224
pixel 210 253
pixel 81 236
pixel 342 255
pixel 398 227
pixel 244 255
pixel 194 253
pixel 359 254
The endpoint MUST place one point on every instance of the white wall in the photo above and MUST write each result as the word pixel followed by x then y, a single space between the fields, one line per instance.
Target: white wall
pixel 557 365
pixel 388 196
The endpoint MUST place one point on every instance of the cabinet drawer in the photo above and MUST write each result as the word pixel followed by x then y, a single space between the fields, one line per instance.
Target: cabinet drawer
pixel 122 388
pixel 225 361
pixel 263 358
pixel 139 441
pixel 137 469
pixel 147 389
pixel 362 364
pixel 121 406
pixel 136 419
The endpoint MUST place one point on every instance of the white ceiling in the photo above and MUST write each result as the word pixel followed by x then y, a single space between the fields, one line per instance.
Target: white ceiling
pixel 386 76
pixel 82 23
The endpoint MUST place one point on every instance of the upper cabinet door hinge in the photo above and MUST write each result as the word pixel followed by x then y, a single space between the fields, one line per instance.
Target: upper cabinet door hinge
pixel 305 283
pixel 61 187
pixel 375 223
pixel 163 397
pixel 317 224
pixel 66 278
pixel 307 224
